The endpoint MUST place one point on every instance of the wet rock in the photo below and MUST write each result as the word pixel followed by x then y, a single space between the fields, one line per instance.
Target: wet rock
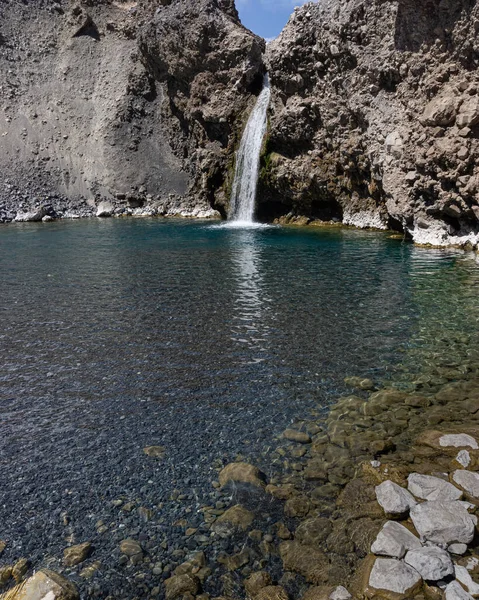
pixel 443 522
pixel 89 571
pixel 308 561
pixel 3 545
pixel 76 554
pixel 234 562
pixel 132 549
pixel 237 516
pixel 5 575
pixel 272 592
pixel 360 383
pixel 297 436
pixel 394 540
pixel 454 591
pixel 20 569
pixel 458 440
pixel 44 585
pixel 468 480
pixel 154 451
pixel 394 576
pixel 181 585
pixel 432 563
pixel 298 506
pixel 394 499
pixel 241 473
pixel 313 532
pixel 427 487
pixel 256 581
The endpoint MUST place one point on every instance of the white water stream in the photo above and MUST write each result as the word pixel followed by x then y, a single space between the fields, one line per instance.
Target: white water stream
pixel 243 196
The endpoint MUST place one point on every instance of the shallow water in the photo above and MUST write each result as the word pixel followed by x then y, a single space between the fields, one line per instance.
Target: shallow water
pixel 119 334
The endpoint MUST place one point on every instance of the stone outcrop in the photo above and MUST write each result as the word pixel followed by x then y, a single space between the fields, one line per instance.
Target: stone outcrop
pixel 375 117
pixel 131 103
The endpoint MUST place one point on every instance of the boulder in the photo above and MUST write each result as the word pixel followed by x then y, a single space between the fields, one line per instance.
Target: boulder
pixel 468 480
pixel 443 523
pixel 394 499
pixel 395 576
pixel 44 585
pixel 394 540
pixel 105 209
pixel 432 563
pixel 463 576
pixel 240 472
pixel 458 440
pixel 32 216
pixel 440 111
pixel 432 488
pixel 454 591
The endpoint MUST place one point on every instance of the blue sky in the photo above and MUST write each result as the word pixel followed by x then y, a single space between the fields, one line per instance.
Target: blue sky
pixel 266 17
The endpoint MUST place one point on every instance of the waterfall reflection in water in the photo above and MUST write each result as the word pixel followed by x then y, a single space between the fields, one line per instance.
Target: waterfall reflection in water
pixel 249 326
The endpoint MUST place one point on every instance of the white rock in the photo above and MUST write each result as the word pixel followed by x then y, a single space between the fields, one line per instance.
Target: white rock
pixel 432 488
pixel 469 506
pixel 458 440
pixel 457 549
pixel 105 209
pixel 394 540
pixel 472 563
pixel 431 562
pixel 340 593
pixel 394 576
pixel 463 576
pixel 394 499
pixel 454 591
pixel 468 481
pixel 443 523
pixel 464 458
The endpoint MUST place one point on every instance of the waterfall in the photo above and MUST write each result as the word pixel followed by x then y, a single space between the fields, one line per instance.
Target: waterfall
pixel 247 160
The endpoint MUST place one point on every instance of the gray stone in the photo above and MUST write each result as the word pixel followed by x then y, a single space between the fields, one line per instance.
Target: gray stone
pixel 393 576
pixel 457 549
pixel 394 499
pixel 458 440
pixel 463 576
pixel 432 488
pixel 431 563
pixel 468 480
pixel 454 591
pixel 340 593
pixel 394 540
pixel 105 209
pixel 464 458
pixel 443 523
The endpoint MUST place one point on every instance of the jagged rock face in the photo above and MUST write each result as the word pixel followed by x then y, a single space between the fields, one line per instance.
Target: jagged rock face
pixel 375 117
pixel 86 112
pixel 209 66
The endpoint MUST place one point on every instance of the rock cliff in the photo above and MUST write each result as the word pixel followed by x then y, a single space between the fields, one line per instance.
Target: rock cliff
pixel 132 103
pixel 375 119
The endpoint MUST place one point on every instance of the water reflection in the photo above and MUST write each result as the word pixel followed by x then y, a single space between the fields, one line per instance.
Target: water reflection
pixel 249 323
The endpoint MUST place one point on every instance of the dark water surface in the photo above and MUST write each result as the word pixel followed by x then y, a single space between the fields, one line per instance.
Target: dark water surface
pixel 116 335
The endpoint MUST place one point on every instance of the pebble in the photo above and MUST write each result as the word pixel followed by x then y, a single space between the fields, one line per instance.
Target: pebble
pixel 340 593
pixel 427 487
pixel 464 458
pixel 457 549
pixel 297 436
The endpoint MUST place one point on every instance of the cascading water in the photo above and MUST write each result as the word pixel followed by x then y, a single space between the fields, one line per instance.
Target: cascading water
pixel 247 160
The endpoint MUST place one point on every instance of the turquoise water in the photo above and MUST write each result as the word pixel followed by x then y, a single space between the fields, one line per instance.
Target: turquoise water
pixel 119 334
